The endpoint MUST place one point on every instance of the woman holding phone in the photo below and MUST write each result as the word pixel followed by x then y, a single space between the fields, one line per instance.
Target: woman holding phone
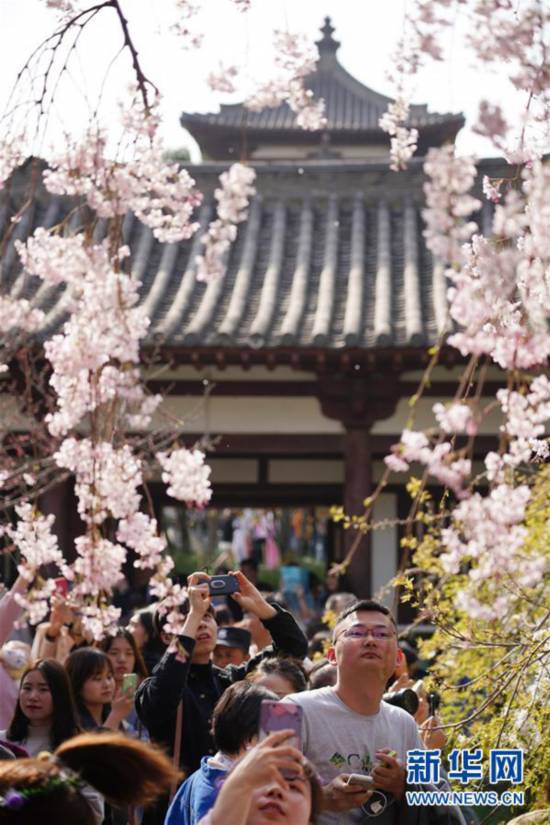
pixel 129 671
pixel 272 782
pixel 93 682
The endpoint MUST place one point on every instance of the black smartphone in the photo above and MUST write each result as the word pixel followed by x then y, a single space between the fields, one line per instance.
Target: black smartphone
pixel 223 585
pixel 434 700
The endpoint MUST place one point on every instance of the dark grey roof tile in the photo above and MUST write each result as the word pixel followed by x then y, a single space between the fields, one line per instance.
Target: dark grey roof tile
pixel 332 258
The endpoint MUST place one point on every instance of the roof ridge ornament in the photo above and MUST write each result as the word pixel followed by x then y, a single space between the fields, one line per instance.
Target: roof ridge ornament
pixel 327 45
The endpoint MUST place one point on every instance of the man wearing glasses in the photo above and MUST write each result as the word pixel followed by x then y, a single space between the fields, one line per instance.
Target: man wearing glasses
pixel 348 729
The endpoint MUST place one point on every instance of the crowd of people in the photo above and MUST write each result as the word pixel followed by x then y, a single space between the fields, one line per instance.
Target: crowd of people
pixel 141 717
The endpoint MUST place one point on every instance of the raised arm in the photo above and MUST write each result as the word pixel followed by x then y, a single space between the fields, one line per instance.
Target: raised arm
pixel 10 610
pixel 157 697
pixel 288 638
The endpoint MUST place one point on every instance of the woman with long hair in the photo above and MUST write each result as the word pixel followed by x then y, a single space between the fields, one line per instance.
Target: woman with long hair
pixel 124 771
pixel 93 682
pixel 125 659
pixel 125 656
pixel 45 714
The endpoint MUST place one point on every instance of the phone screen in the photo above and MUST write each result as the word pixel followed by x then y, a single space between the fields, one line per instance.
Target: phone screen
pixel 275 716
pixel 61 587
pixel 129 683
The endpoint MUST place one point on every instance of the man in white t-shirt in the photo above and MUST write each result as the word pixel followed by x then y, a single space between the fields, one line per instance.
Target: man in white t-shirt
pixel 348 729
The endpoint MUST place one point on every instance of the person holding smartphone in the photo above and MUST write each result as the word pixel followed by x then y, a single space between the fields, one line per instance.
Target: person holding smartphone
pixel 129 671
pixel 272 783
pixel 186 675
pixel 348 730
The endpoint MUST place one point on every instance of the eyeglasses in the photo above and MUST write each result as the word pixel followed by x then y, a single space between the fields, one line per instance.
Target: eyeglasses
pixel 378 633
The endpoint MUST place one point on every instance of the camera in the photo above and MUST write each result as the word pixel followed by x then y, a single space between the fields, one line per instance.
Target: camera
pixel 223 585
pixel 406 699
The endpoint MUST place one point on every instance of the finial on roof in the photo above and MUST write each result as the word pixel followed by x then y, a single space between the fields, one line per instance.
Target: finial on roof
pixel 327 44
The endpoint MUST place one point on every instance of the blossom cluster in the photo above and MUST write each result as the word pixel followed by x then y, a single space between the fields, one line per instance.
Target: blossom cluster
pixel 102 333
pixel 488 532
pixel 107 479
pixel 189 38
pixel 403 139
pixel 187 476
pixel 449 203
pixel 440 460
pixel 501 295
pixel 456 417
pixel 11 156
pixel 233 197
pixel 140 532
pixel 296 59
pixel 223 80
pixel 159 193
pixel 38 546
pixel 19 314
pixel 526 417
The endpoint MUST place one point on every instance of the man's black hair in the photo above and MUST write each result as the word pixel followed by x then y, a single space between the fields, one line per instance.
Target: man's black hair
pixel 365 606
pixel 236 717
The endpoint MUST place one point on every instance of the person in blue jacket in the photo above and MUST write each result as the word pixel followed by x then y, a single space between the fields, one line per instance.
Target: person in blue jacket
pixel 235 725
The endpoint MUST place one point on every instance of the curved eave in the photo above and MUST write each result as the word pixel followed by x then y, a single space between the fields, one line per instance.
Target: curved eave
pixel 223 141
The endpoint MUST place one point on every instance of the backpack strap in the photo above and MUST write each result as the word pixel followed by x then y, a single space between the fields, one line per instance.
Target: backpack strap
pixel 177 746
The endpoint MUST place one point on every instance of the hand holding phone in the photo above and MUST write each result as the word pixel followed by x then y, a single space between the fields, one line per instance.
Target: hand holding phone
pixel 129 683
pixel 223 585
pixel 277 716
pixel 366 782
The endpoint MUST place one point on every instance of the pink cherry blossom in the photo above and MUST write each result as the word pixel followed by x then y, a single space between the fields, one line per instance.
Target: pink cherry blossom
pixel 140 532
pixel 12 155
pixel 105 327
pixel 107 479
pixel 189 38
pixel 450 179
pixel 38 546
pixel 455 418
pixel 97 567
pixel 233 198
pixel 34 539
pixel 403 139
pixel 295 58
pixel 491 190
pixel 159 193
pixel 19 314
pixel 187 475
pixel 223 80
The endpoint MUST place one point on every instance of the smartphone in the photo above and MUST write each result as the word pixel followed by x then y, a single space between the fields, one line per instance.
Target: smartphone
pixel 223 585
pixel 366 782
pixel 276 716
pixel 129 683
pixel 61 587
pixel 433 703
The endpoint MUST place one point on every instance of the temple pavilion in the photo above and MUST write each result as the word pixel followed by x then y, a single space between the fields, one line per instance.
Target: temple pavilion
pixel 298 365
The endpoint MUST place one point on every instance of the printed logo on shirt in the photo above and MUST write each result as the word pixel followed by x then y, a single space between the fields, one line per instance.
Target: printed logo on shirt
pixel 354 761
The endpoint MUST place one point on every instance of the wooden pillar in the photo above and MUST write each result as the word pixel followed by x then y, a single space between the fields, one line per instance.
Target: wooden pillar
pixel 357 486
pixel 357 402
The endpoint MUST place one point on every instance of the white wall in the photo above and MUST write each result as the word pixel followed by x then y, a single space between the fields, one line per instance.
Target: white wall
pixel 384 545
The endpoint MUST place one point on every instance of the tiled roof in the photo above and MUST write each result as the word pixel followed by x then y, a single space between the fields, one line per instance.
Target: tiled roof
pixel 350 106
pixel 331 256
